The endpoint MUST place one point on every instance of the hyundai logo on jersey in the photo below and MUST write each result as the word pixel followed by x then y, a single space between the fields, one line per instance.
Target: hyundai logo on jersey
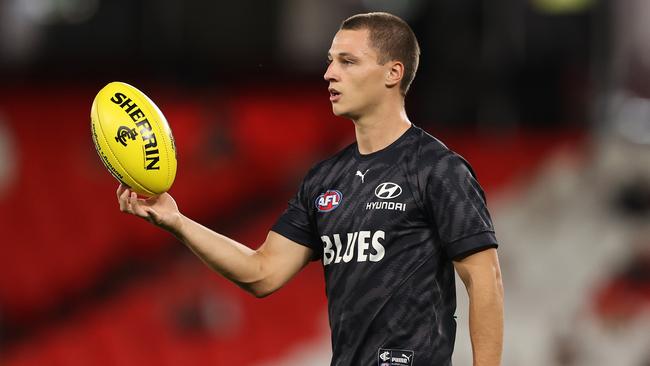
pixel 388 190
pixel 328 201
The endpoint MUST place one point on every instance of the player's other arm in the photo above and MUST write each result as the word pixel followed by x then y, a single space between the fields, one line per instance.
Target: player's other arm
pixel 481 274
pixel 259 272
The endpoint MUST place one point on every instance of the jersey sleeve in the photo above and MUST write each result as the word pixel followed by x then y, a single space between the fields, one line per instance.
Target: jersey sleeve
pixel 456 204
pixel 296 224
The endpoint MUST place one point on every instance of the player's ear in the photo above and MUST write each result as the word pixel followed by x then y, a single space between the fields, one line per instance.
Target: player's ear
pixel 394 74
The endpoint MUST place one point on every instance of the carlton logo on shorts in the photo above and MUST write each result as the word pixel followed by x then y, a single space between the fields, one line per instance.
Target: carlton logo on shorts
pixel 328 201
pixel 394 357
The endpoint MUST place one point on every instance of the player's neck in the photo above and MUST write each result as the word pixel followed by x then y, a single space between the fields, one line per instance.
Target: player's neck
pixel 375 132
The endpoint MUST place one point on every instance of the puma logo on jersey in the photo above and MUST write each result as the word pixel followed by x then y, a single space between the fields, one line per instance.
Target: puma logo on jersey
pixel 362 175
pixel 360 246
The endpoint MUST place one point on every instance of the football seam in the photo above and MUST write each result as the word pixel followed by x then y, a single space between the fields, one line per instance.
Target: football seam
pixel 115 157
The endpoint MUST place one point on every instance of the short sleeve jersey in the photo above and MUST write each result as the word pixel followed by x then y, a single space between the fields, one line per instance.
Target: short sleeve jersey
pixel 386 227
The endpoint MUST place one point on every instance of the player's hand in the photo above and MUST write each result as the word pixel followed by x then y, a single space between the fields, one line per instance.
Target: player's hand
pixel 160 210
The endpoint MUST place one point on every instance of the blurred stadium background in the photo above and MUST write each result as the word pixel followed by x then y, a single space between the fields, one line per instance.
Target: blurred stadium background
pixel 548 99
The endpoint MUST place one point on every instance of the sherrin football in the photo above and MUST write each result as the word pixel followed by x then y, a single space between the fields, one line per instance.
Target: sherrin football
pixel 133 139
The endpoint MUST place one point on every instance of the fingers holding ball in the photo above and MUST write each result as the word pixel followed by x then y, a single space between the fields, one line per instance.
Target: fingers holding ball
pixel 124 200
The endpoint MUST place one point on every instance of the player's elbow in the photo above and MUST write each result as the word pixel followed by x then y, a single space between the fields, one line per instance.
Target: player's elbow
pixel 258 280
pixel 259 289
pixel 261 294
pixel 261 285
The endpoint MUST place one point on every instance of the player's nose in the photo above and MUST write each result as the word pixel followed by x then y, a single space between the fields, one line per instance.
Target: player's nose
pixel 330 73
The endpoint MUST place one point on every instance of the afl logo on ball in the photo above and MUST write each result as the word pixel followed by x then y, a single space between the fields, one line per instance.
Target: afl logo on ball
pixel 328 201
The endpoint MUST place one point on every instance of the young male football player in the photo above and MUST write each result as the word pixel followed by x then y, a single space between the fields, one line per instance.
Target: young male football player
pixel 389 217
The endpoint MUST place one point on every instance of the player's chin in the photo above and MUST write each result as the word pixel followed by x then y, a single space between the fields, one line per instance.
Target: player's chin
pixel 340 111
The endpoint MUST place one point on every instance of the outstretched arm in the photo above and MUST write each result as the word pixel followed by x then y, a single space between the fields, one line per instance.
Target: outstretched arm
pixel 260 272
pixel 481 275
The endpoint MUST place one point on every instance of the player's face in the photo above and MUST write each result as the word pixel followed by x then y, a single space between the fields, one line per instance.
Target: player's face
pixel 356 79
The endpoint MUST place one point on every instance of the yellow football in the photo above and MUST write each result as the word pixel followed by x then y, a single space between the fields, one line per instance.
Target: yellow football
pixel 133 139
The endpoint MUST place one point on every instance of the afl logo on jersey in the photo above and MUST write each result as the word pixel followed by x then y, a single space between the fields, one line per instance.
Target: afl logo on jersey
pixel 328 201
pixel 388 190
